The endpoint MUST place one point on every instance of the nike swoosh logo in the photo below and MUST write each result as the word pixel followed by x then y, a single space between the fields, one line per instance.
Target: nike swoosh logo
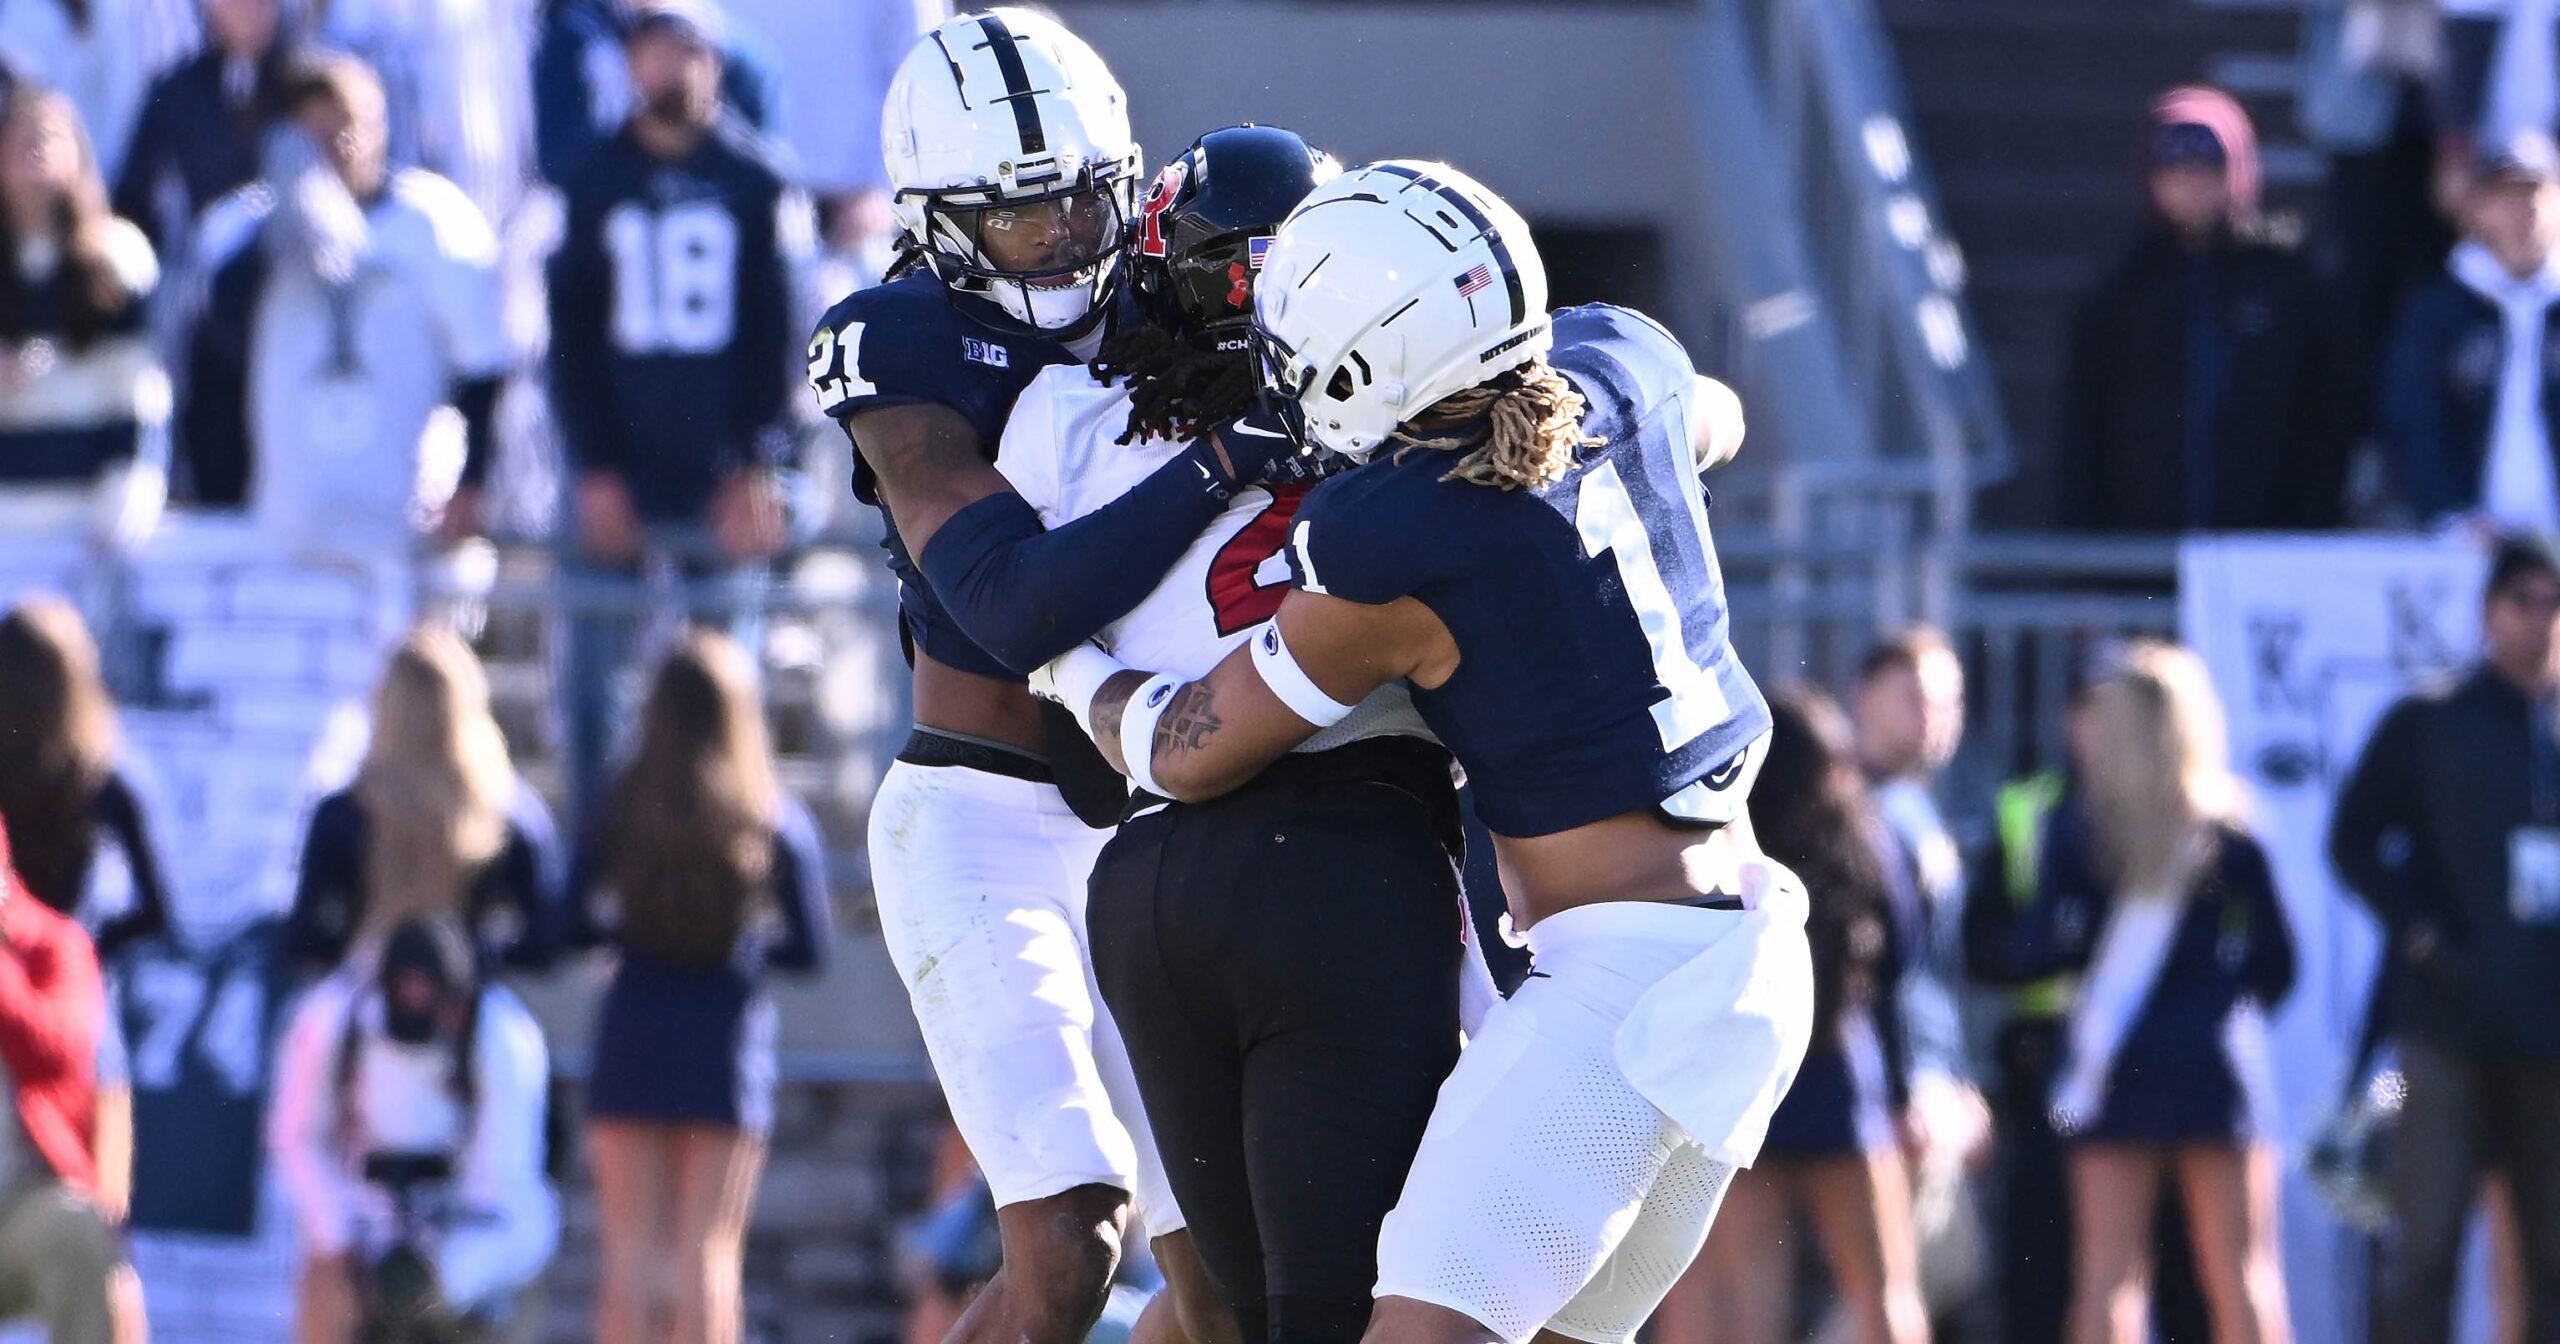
pixel 1242 428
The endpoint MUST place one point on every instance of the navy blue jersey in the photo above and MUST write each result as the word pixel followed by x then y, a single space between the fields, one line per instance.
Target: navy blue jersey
pixel 200 1027
pixel 671 316
pixel 1595 675
pixel 905 343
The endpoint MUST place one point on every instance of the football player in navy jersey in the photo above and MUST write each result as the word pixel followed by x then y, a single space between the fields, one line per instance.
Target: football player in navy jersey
pixel 1284 962
pixel 1530 556
pixel 1013 174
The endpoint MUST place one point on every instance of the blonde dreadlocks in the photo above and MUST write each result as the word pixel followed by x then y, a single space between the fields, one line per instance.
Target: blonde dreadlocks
pixel 1520 429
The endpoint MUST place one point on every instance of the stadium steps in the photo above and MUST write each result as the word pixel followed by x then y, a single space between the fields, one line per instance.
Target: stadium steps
pixel 2027 110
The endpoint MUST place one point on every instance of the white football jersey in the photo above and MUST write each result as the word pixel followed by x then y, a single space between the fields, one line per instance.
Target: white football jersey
pixel 1060 454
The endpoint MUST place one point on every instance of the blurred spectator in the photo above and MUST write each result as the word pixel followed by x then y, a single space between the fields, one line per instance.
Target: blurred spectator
pixel 407 1124
pixel 706 874
pixel 1908 714
pixel 582 86
pixel 60 792
pixel 2468 394
pixel 1908 709
pixel 457 86
pixel 834 61
pixel 57 1253
pixel 2153 890
pixel 84 404
pixel 346 304
pixel 2035 1208
pixel 2449 829
pixel 437 825
pixel 671 333
pixel 1831 1146
pixel 2369 69
pixel 198 136
pixel 2202 387
pixel 2501 73
pixel 102 54
pixel 60 795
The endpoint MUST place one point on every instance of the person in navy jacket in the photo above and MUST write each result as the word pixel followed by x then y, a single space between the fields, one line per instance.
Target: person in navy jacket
pixel 2469 384
pixel 2155 893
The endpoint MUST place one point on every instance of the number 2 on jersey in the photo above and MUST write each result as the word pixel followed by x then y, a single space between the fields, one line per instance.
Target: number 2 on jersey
pixel 1237 595
pixel 1607 516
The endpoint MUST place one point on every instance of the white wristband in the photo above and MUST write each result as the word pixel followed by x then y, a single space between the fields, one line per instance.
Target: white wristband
pixel 1074 678
pixel 1290 682
pixel 1147 705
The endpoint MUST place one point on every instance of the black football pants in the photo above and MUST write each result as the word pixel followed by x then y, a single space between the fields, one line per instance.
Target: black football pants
pixel 1283 965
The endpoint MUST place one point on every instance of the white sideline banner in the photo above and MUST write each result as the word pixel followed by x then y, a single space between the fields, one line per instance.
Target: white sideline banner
pixel 2309 639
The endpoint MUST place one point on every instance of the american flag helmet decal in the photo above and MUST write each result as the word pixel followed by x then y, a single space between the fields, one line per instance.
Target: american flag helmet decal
pixel 1475 279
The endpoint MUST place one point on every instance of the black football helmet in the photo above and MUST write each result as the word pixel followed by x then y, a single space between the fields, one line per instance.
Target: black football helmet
pixel 1203 226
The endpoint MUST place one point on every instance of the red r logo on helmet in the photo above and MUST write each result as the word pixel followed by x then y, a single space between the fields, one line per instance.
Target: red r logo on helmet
pixel 1168 185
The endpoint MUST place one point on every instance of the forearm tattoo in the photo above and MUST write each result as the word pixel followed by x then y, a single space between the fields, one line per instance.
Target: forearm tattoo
pixel 1189 722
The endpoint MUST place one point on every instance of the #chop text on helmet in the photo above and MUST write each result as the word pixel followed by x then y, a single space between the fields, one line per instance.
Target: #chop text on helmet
pixel 1011 166
pixel 1389 288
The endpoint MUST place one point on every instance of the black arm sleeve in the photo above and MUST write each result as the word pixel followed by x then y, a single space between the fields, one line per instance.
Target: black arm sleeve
pixel 121 814
pixel 1026 595
pixel 477 399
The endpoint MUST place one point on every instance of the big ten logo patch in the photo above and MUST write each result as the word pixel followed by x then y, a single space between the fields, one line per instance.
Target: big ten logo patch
pixel 989 353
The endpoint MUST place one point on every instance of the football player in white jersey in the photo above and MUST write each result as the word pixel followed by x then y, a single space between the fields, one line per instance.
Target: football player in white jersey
pixel 1285 962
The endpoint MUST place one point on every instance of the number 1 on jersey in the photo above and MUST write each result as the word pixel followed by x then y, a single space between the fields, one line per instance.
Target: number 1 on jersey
pixel 1607 517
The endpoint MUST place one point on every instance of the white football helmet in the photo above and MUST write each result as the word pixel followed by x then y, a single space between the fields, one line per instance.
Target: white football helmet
pixel 1011 167
pixel 1387 289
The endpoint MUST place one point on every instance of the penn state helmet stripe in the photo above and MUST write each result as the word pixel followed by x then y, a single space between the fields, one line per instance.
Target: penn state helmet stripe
pixel 1492 236
pixel 1017 84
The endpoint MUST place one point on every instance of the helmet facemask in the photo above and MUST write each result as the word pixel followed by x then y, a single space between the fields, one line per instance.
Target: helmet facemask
pixel 1050 259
